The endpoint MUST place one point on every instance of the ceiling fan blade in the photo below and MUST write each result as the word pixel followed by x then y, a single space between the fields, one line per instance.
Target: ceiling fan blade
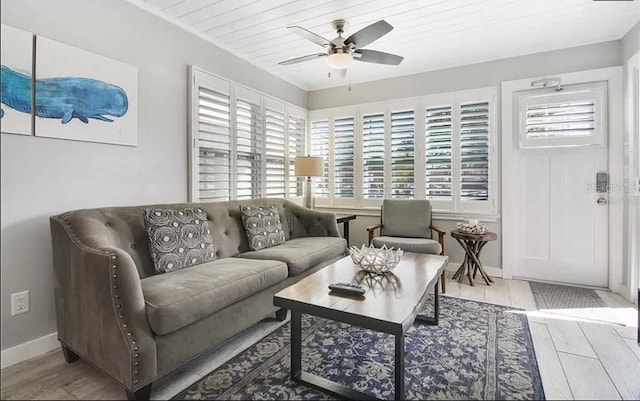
pixel 303 59
pixel 373 56
pixel 337 73
pixel 369 34
pixel 315 38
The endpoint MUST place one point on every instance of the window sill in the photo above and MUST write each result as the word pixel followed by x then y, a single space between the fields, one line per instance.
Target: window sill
pixel 437 214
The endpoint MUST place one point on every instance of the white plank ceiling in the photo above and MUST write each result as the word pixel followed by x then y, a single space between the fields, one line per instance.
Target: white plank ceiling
pixel 430 34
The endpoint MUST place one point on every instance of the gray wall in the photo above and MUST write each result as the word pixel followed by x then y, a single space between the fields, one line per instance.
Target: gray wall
pixel 42 177
pixel 599 55
pixel 631 42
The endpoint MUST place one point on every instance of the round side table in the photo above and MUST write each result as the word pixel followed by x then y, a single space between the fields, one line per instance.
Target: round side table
pixel 472 245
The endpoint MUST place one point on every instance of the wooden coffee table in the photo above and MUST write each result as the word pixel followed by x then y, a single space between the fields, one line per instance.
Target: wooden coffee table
pixel 390 305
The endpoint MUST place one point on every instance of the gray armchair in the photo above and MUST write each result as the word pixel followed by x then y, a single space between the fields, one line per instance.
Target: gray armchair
pixel 406 224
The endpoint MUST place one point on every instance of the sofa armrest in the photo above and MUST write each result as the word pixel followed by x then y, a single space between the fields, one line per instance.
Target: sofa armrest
pixel 316 224
pixel 100 307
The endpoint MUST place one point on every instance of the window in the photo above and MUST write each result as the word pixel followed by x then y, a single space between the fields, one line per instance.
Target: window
pixel 249 146
pixel 295 134
pixel 373 156
pixel 402 154
pixel 275 153
pixel 574 116
pixel 214 150
pixel 554 120
pixel 243 142
pixel 344 157
pixel 438 138
pixel 320 147
pixel 474 151
pixel 436 147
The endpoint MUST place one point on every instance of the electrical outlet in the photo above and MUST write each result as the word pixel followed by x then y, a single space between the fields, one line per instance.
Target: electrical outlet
pixel 19 303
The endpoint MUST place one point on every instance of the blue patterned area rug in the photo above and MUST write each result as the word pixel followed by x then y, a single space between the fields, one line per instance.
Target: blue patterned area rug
pixel 478 351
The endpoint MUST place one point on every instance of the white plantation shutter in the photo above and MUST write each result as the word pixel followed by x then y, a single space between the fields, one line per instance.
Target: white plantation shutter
pixel 474 151
pixel 566 119
pixel 249 149
pixel 242 143
pixel 402 154
pixel 438 138
pixel 213 145
pixel 320 147
pixel 343 157
pixel 575 116
pixel 295 148
pixel 373 156
pixel 275 153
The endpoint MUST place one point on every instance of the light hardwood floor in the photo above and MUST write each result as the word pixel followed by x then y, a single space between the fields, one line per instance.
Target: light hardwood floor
pixel 582 354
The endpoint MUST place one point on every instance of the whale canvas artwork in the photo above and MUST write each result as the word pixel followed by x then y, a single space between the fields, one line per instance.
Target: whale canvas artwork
pixel 16 55
pixel 80 95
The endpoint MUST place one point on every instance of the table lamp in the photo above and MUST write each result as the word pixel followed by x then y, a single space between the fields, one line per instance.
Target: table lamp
pixel 308 166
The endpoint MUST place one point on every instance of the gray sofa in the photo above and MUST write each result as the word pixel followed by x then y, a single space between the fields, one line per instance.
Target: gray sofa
pixel 113 312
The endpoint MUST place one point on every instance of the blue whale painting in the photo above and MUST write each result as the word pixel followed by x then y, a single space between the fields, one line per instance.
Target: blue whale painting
pixel 65 98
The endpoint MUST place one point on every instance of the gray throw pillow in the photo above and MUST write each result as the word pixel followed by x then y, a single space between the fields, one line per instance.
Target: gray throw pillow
pixel 262 225
pixel 178 238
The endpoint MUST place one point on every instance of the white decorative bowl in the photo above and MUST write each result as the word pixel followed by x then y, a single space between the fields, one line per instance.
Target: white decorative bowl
pixel 479 228
pixel 376 260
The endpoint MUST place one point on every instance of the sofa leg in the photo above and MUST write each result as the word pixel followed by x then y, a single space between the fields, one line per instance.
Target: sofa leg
pixel 69 355
pixel 281 315
pixel 143 393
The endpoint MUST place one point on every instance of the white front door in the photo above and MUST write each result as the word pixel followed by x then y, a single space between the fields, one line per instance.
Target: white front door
pixel 562 232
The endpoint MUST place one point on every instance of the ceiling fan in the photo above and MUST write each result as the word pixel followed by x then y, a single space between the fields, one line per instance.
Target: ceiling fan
pixel 341 52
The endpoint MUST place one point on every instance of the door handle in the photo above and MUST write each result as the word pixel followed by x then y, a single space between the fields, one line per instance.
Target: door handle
pixel 601 201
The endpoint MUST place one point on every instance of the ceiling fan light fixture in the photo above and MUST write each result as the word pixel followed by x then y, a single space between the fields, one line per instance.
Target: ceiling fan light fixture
pixel 340 61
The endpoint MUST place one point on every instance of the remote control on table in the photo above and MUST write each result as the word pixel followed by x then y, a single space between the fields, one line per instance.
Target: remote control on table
pixel 347 288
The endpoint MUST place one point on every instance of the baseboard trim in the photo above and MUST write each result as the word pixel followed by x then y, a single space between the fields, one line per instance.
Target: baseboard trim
pixel 627 293
pixel 28 350
pixel 491 271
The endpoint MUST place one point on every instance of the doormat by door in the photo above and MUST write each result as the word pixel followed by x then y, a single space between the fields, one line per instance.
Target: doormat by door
pixel 555 296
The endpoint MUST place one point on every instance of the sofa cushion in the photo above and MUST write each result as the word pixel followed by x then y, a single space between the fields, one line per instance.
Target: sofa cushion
pixel 417 245
pixel 262 226
pixel 182 297
pixel 178 238
pixel 301 253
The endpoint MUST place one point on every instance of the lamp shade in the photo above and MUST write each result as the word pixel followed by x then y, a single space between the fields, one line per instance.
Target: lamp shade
pixel 340 60
pixel 309 166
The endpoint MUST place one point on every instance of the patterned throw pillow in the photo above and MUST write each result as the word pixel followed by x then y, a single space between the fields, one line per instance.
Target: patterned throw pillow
pixel 262 225
pixel 178 238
